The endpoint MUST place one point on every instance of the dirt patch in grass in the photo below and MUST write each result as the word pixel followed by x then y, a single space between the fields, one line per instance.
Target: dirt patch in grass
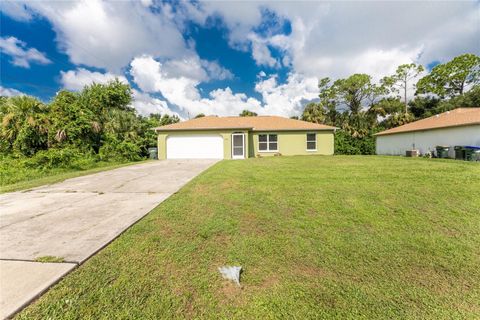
pixel 231 293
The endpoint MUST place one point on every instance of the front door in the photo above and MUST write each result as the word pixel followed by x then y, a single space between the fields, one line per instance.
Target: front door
pixel 238 146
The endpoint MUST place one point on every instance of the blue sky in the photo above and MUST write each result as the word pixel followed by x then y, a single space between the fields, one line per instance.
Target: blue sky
pixel 223 57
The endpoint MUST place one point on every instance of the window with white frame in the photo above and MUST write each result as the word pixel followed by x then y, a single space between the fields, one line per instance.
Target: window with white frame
pixel 311 141
pixel 267 142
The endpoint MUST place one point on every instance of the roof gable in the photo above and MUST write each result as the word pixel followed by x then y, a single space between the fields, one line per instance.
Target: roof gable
pixel 258 123
pixel 453 118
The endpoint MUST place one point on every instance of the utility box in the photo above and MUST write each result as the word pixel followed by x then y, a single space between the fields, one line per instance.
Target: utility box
pixel 412 153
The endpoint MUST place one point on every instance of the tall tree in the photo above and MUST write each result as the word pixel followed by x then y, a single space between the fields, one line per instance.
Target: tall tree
pixel 387 106
pixel 248 113
pixel 328 101
pixel 451 78
pixel 423 106
pixel 71 123
pixel 400 81
pixel 313 112
pixel 356 92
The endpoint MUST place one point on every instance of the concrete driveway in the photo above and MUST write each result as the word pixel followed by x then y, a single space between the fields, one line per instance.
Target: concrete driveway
pixel 74 219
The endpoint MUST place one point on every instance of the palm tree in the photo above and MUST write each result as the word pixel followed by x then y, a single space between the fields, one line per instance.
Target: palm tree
pixel 24 124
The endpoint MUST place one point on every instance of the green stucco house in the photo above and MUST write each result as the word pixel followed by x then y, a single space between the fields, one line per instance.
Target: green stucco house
pixel 215 137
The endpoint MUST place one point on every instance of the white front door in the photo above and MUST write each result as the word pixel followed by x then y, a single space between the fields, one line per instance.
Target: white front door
pixel 238 146
pixel 195 146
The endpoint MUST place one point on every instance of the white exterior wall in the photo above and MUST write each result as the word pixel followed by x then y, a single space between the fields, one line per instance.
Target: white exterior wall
pixel 424 141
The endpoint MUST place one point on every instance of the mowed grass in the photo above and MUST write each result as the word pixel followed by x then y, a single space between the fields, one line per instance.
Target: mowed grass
pixel 318 237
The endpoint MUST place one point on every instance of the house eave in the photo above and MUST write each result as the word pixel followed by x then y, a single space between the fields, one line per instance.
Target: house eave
pixel 244 128
pixel 381 134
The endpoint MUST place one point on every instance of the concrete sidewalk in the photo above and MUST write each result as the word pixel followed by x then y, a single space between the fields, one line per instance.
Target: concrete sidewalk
pixel 23 281
pixel 74 219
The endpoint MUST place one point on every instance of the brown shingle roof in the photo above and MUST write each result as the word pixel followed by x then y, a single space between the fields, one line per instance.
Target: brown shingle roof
pixel 259 123
pixel 453 118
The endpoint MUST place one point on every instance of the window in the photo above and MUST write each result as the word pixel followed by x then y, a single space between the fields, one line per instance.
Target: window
pixel 267 142
pixel 311 141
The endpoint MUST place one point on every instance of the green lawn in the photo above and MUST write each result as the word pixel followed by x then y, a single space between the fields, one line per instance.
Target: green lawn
pixel 318 237
pixel 14 178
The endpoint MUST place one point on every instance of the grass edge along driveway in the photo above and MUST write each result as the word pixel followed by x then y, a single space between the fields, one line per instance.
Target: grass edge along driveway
pixel 333 237
pixel 37 178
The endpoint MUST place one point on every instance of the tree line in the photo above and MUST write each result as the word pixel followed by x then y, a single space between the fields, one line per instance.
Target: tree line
pixel 361 108
pixel 97 122
pixel 100 123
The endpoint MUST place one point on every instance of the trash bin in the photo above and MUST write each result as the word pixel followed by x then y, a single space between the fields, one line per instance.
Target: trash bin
pixel 153 153
pixel 472 153
pixel 459 153
pixel 442 151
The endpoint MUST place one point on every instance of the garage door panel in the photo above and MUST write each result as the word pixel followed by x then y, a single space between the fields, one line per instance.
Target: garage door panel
pixel 195 147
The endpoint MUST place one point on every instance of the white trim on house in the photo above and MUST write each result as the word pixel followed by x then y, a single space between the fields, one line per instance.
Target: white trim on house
pixel 307 141
pixel 243 146
pixel 267 142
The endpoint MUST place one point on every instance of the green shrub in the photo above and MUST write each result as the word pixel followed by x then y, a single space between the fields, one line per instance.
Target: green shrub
pixel 55 158
pixel 346 144
pixel 120 150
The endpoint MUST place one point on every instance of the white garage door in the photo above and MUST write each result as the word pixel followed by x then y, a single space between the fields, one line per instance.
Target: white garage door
pixel 195 147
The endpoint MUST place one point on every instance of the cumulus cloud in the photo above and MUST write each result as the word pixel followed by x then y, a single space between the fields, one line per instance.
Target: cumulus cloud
pixel 334 39
pixel 261 53
pixel 182 91
pixel 10 92
pixel 77 79
pixel 287 99
pixel 280 99
pixel 21 55
pixel 216 71
pixel 196 68
pixel 145 104
pixel 16 10
pixel 337 39
pixel 109 34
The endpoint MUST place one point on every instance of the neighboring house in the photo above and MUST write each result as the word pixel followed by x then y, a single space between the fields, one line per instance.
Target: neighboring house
pixel 214 137
pixel 458 127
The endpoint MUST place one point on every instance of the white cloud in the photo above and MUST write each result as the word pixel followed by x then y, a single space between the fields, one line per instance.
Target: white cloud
pixel 336 39
pixel 287 99
pixel 216 71
pixel 239 17
pixel 77 79
pixel 109 34
pixel 146 104
pixel 196 68
pixel 15 9
pixel 20 54
pixel 281 99
pixel 10 92
pixel 261 53
pixel 182 91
